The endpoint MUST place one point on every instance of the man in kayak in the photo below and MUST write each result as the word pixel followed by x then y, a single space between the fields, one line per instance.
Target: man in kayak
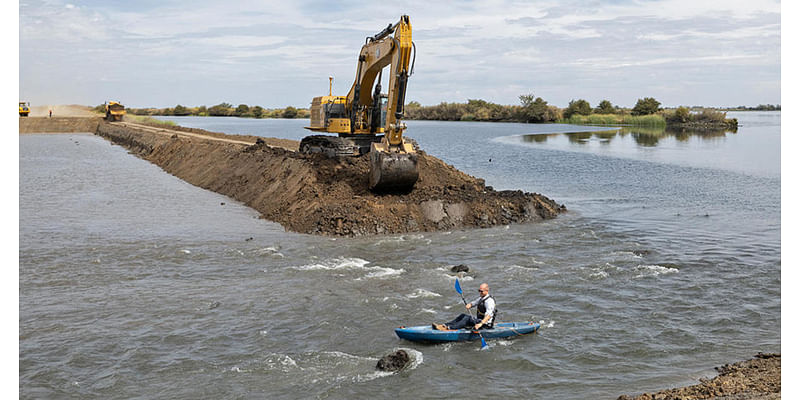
pixel 486 311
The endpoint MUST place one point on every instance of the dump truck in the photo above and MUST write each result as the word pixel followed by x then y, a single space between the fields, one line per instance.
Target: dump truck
pixel 24 108
pixel 114 111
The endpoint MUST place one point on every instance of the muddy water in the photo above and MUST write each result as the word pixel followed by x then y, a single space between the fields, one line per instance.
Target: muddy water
pixel 136 284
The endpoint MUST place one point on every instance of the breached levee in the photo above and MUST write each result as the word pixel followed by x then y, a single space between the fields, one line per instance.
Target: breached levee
pixel 318 195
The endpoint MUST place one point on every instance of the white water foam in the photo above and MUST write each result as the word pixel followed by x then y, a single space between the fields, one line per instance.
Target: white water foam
pixel 335 264
pixel 544 324
pixel 654 270
pixel 598 274
pixel 602 272
pixel 422 293
pixel 237 251
pixel 403 238
pixel 281 362
pixel 382 272
pixel 269 251
pixel 520 267
pixel 352 264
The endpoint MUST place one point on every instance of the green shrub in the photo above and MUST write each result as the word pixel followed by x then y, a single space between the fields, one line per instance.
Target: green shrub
pixel 579 106
pixel 289 112
pixel 646 106
pixel 605 107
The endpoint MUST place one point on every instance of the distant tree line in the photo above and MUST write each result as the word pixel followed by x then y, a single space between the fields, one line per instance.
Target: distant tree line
pixel 224 110
pixel 532 109
pixel 760 107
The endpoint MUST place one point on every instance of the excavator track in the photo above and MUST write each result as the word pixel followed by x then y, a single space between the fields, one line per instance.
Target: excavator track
pixel 333 146
pixel 330 146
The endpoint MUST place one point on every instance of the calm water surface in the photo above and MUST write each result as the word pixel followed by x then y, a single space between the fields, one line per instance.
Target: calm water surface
pixel 134 283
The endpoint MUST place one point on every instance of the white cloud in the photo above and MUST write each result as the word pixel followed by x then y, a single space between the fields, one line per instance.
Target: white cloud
pixel 485 49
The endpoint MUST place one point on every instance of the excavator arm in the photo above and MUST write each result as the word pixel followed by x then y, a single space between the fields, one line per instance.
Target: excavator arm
pixel 393 162
pixel 380 51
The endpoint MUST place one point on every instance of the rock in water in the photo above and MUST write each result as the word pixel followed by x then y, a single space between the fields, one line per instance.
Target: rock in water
pixel 460 268
pixel 394 361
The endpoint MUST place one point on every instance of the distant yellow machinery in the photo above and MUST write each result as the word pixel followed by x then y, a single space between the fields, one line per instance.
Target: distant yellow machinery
pixel 368 121
pixel 24 108
pixel 114 111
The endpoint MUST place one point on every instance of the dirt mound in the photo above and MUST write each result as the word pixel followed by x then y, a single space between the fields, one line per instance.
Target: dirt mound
pixel 319 195
pixel 758 378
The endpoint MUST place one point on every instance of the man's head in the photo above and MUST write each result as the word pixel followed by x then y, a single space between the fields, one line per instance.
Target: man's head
pixel 483 289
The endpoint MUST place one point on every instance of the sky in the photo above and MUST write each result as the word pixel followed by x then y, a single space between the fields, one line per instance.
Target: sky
pixel 280 53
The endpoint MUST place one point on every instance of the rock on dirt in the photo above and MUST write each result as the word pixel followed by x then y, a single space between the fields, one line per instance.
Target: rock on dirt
pixel 755 379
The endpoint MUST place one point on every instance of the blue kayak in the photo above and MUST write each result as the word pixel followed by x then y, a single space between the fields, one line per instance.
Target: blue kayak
pixel 426 333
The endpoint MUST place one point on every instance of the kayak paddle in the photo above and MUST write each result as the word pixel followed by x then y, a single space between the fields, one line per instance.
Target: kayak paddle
pixel 458 289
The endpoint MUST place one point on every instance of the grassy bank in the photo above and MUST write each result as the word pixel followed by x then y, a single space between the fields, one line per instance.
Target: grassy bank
pixel 653 120
pixel 680 117
pixel 147 120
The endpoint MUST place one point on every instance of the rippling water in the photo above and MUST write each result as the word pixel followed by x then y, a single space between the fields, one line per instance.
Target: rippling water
pixel 134 283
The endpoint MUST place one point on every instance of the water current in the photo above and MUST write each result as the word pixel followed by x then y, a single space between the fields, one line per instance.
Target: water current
pixel 135 284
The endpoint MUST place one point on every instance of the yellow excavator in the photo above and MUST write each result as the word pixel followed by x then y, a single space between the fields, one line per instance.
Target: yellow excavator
pixel 368 121
pixel 24 108
pixel 114 111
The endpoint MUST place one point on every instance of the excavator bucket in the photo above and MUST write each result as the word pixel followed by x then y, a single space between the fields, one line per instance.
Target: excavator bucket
pixel 392 170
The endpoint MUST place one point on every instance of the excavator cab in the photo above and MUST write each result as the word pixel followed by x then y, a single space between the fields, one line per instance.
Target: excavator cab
pixel 368 121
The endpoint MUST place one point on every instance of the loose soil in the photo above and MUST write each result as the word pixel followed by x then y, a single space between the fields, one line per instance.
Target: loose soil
pixel 755 379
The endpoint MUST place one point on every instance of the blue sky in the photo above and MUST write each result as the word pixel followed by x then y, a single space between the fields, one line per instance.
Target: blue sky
pixel 275 54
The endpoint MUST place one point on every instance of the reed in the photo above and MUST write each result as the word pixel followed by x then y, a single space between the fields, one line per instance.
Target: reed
pixel 652 120
pixel 593 119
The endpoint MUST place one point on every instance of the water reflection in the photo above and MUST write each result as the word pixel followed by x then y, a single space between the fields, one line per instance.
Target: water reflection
pixel 643 136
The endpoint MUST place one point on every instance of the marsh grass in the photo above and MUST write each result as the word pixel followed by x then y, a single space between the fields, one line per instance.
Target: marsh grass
pixel 593 119
pixel 651 120
pixel 148 120
pixel 616 119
